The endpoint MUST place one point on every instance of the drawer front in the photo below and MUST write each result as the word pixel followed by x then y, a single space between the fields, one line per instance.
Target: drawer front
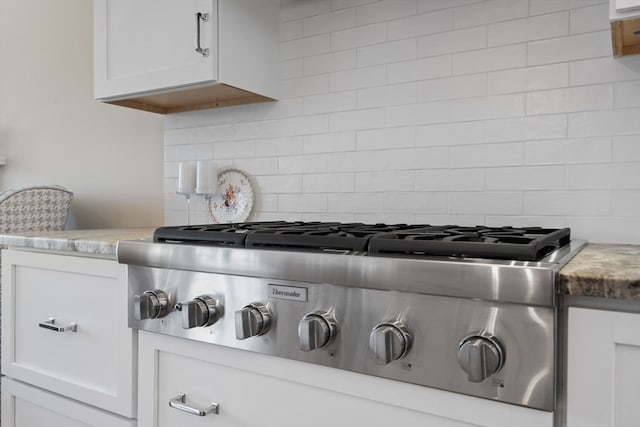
pixel 26 406
pixel 86 351
pixel 257 390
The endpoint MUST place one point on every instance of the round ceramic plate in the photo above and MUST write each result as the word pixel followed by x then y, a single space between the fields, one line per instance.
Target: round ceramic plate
pixel 235 201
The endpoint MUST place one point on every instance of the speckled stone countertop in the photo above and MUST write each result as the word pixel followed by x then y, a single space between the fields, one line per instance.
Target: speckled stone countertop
pixel 604 271
pixel 95 242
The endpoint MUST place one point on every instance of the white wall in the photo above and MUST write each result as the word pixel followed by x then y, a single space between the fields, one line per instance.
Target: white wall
pixel 499 112
pixel 53 132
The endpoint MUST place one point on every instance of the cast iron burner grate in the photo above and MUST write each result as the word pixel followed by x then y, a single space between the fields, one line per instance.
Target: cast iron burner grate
pixel 397 240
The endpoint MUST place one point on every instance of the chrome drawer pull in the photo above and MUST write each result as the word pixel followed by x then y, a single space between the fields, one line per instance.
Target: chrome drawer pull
pixel 179 404
pixel 51 325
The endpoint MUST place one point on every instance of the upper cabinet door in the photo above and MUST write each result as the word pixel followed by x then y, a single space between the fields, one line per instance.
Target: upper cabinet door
pixel 150 45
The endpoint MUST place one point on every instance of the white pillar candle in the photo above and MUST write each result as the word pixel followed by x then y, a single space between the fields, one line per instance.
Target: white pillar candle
pixel 206 177
pixel 186 177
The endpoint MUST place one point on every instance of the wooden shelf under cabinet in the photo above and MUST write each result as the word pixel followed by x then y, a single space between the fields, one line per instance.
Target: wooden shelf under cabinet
pixel 179 101
pixel 625 37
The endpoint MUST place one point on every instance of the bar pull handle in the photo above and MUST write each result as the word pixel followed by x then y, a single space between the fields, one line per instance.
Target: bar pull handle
pixel 178 403
pixel 51 325
pixel 201 17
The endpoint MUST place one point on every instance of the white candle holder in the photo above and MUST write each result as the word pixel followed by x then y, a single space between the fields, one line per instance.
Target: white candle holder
pixel 197 179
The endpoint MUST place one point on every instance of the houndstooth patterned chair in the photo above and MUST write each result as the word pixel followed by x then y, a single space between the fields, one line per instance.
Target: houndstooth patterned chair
pixel 36 208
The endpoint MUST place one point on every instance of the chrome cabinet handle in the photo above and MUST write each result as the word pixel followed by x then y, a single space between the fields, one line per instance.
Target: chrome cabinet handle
pixel 201 17
pixel 51 325
pixel 178 403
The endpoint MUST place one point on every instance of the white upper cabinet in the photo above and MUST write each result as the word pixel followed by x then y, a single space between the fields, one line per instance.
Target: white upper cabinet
pixel 168 56
pixel 625 26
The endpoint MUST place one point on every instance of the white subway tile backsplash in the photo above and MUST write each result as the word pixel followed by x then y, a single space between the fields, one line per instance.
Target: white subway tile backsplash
pixel 526 178
pixel 468 179
pixel 581 46
pixel 329 183
pixel 359 161
pixel 606 229
pixel 384 181
pixel 334 61
pixel 383 96
pixel 627 94
pixel 415 202
pixel 355 202
pixel 488 107
pixel 344 4
pixel 572 151
pixel 291 30
pixel 489 11
pixel 528 29
pixel 592 18
pixel 529 79
pixel 287 146
pixel 497 112
pixel 604 70
pixel 329 22
pixel 418 114
pixel 422 24
pixel 527 128
pixel 358 78
pixel 310 163
pixel 625 203
pixel 453 41
pixel 326 103
pixel 452 87
pixel 384 10
pixel 626 148
pixel 495 58
pixel 291 69
pixel 624 176
pixel 257 130
pixel 545 6
pixel 581 98
pixel 359 36
pixel 304 86
pixel 255 166
pixel 278 183
pixel 421 69
pixel 329 143
pixel 297 9
pixel 575 203
pixel 451 134
pixel 300 48
pixel 357 119
pixel 380 139
pixel 233 149
pixel 384 53
pixel 304 125
pixel 603 123
pixel 302 202
pixel 486 155
pixel 486 203
pixel 417 158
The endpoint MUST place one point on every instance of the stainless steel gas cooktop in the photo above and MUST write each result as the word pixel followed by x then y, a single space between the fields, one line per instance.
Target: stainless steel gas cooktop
pixel 467 309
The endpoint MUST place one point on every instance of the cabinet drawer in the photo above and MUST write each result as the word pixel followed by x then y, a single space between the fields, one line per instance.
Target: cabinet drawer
pixel 94 363
pixel 27 406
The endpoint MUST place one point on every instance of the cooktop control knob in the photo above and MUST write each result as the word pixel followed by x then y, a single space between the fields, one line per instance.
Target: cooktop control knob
pixel 200 311
pixel 150 305
pixel 317 330
pixel 252 320
pixel 389 341
pixel 480 356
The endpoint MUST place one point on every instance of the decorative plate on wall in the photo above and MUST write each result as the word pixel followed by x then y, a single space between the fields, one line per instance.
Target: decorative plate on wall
pixel 235 201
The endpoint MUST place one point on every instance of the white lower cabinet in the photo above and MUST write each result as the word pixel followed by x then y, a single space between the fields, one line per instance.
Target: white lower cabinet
pixel 257 390
pixel 603 375
pixel 27 406
pixel 64 330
